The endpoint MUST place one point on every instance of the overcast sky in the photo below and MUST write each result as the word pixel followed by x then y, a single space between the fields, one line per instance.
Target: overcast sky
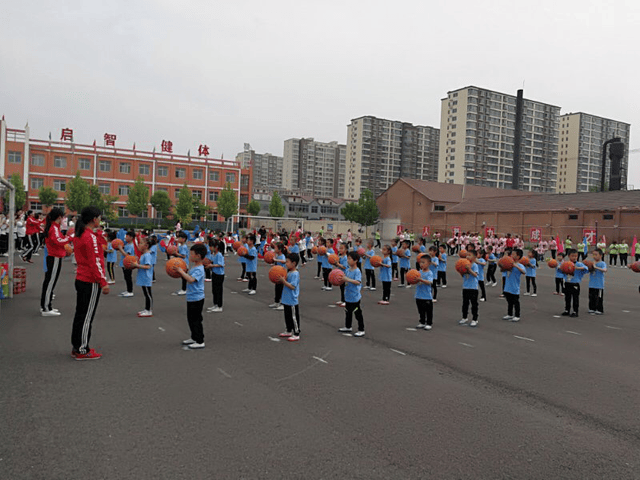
pixel 226 73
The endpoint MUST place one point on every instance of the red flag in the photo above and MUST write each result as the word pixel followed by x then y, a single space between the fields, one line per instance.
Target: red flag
pixel 560 244
pixel 633 246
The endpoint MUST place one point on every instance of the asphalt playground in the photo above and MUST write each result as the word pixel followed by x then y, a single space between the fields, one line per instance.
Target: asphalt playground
pixel 548 397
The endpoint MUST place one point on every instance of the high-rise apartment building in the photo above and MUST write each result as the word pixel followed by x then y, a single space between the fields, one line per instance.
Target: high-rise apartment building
pixel 580 152
pixel 477 137
pixel 380 151
pixel 267 168
pixel 315 168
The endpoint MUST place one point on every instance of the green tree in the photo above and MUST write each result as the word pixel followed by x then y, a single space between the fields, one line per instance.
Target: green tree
pixel 184 208
pixel 47 196
pixel 199 208
pixel 161 202
pixel 351 212
pixel 276 208
pixel 21 194
pixel 138 200
pixel 227 202
pixel 95 198
pixel 109 210
pixel 253 208
pixel 369 213
pixel 77 193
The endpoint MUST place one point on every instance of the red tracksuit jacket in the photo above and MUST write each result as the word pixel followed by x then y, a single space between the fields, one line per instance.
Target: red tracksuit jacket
pixel 90 258
pixel 55 242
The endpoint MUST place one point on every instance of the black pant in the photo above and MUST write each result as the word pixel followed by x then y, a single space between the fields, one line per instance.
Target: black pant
pixel 309 254
pixel 559 285
pixel 483 292
pixel 402 273
pixel 371 277
pixel 244 270
pixel 253 281
pixel 87 297
pixel 386 291
pixel 425 309
pixel 596 300
pixel 623 259
pixel 531 281
pixel 442 278
pixel 4 244
pixel 470 296
pixel 148 299
pixel 637 256
pixel 292 319
pixel 513 304
pixel 491 273
pixel 342 287
pixel 394 270
pixel 111 270
pixel 504 281
pixel 325 276
pixel 183 285
pixel 54 266
pixel 553 254
pixel 613 258
pixel 378 245
pixel 32 245
pixel 434 290
pixel 216 289
pixel 128 279
pixel 194 318
pixel 319 268
pixel 571 296
pixel 350 309
pixel 279 287
pixel 302 259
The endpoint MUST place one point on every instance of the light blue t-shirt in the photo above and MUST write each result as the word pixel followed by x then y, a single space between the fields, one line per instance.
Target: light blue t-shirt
pixel 195 290
pixel 252 265
pixel 394 257
pixel 307 242
pixel 433 267
pixel 492 257
pixel 242 259
pixel 218 259
pixel 128 250
pixel 385 272
pixel 145 276
pixel 153 251
pixel 481 262
pixel 112 255
pixel 351 291
pixel 469 282
pixel 423 249
pixel 344 261
pixel 531 269
pixel 424 291
pixel 367 261
pixel 512 285
pixel 324 261
pixel 442 264
pixel 559 273
pixel 577 274
pixel 294 249
pixel 596 278
pixel 405 260
pixel 184 250
pixel 289 296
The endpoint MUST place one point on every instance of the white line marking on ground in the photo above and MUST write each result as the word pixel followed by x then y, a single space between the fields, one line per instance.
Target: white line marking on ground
pixel 332 306
pixel 224 373
pixel 525 338
pixel 397 351
pixel 274 339
pixel 238 324
pixel 626 311
pixel 411 329
pixel 320 359
pixel 466 344
pixel 233 292
pixel 347 334
pixel 556 316
pixel 161 329
pixel 613 328
pixel 573 333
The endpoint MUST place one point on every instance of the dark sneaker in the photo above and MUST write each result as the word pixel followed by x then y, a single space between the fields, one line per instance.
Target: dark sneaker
pixel 565 314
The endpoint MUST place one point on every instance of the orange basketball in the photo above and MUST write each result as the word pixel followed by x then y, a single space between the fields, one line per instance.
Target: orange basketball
pixel 589 264
pixel 416 248
pixel 525 261
pixel 276 272
pixel 400 252
pixel 236 245
pixel 322 250
pixel 128 261
pixel 68 248
pixel 172 264
pixel 206 262
pixel 269 256
pixel 361 251
pixel 242 251
pixel 420 255
pixel 553 263
pixel 463 266
pixel 567 267
pixel 314 250
pixel 336 277
pixel 463 254
pixel 333 259
pixel 172 249
pixel 413 276
pixel 375 261
pixel 506 263
pixel 117 243
pixel 635 266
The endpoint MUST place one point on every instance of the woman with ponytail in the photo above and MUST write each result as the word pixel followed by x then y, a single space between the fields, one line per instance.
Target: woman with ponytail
pixel 55 243
pixel 90 282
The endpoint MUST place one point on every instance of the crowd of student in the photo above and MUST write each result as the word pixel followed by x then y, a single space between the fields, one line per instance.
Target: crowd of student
pixel 96 254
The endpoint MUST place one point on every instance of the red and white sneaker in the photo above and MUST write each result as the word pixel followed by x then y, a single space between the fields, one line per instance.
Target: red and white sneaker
pixel 293 338
pixel 285 335
pixel 342 304
pixel 383 302
pixel 145 313
pixel 90 355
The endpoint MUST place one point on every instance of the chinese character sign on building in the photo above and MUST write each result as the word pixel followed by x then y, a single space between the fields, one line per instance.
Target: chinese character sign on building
pixel 425 231
pixel 590 235
pixel 535 235
pixel 109 140
pixel 456 230
pixel 67 134
pixel 203 150
pixel 167 146
pixel 399 230
pixel 488 231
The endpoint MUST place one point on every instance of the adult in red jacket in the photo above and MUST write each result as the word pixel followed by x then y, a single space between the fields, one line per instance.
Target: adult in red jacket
pixel 32 235
pixel 55 243
pixel 90 281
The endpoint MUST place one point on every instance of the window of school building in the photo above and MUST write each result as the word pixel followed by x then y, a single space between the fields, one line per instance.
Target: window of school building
pixel 214 176
pixel 181 172
pixel 163 171
pixel 123 212
pixel 123 190
pixel 37 160
pixel 125 168
pixel 213 196
pixel 104 165
pixel 59 185
pixel 144 169
pixel 15 157
pixel 231 178
pixel 84 164
pixel 37 183
pixel 197 174
pixel 60 162
pixel 104 188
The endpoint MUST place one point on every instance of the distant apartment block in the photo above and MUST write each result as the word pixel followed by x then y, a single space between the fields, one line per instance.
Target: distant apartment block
pixel 317 168
pixel 477 133
pixel 580 152
pixel 298 205
pixel 267 168
pixel 380 151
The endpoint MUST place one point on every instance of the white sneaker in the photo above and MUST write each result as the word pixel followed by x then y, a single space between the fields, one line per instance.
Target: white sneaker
pixel 211 309
pixel 146 313
pixel 245 290
pixel 444 286
pixel 359 333
pixel 274 305
pixel 408 286
pixel 130 294
pixel 474 323
pixel 421 325
pixel 52 310
pixel 366 287
pixel 534 294
pixel 514 319
pixel 50 313
pixel 463 321
pixel 372 289
pixel 495 284
pixel 526 294
pixel 401 285
pixel 251 292
pixel 179 292
pixel 279 307
pixel 507 317
pixel 194 345
pixel 328 289
pixel 483 299
pixel 188 341
pixel 217 310
pixel 111 282
pixel 434 300
pixel 427 327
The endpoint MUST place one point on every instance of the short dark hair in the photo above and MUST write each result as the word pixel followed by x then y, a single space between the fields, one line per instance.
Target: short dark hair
pixel 518 252
pixel 432 248
pixel 571 251
pixel 131 233
pixel 200 250
pixel 599 250
pixel 293 257
pixel 181 234
pixel 354 256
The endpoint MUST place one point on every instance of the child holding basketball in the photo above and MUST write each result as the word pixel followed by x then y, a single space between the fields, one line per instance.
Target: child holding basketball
pixel 352 295
pixel 127 249
pixel 252 264
pixel 572 285
pixel 470 291
pixel 394 259
pixel 368 268
pixel 385 275
pixel 404 262
pixel 442 266
pixel 512 287
pixel 112 258
pixel 145 276
pixel 342 264
pixel 560 277
pixel 596 283
pixel 321 243
pixel 183 253
pixel 424 294
pixel 195 295
pixel 281 260
pixel 289 299
pixel 217 273
pixel 433 253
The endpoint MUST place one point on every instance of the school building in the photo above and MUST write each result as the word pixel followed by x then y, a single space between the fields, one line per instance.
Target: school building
pixel 446 208
pixel 114 170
